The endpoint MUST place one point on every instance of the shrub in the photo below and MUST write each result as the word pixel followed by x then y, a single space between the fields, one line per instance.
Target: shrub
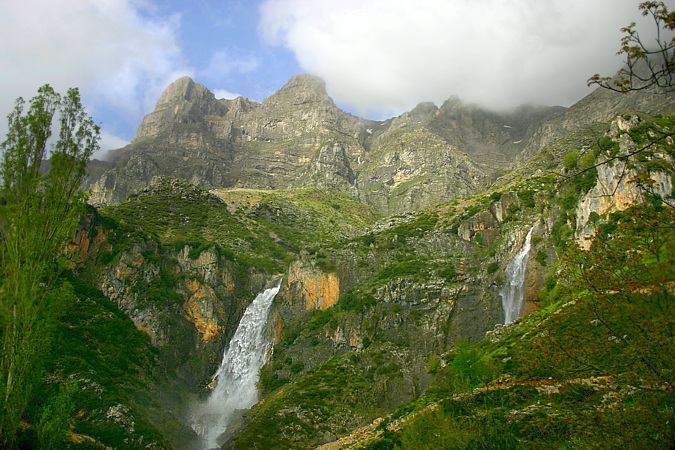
pixel 527 198
pixel 318 318
pixel 448 272
pixel 492 268
pixel 432 364
pixel 297 366
pixel 355 301
pixel 570 161
pixel 541 257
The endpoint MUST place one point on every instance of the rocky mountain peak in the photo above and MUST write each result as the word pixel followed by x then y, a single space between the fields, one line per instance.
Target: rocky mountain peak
pixel 183 101
pixel 180 90
pixel 300 89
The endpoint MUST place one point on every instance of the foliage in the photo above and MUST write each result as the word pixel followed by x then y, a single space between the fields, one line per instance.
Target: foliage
pixel 646 65
pixel 469 368
pixel 337 387
pixel 492 268
pixel 266 230
pixel 541 257
pixel 527 198
pixel 593 368
pixel 95 370
pixel 55 416
pixel 318 318
pixel 356 301
pixel 623 302
pixel 408 266
pixel 39 210
pixel 447 272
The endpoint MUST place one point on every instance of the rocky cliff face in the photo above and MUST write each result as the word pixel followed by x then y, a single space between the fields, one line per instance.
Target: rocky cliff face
pixel 299 138
pixel 600 106
pixel 619 184
pixel 188 303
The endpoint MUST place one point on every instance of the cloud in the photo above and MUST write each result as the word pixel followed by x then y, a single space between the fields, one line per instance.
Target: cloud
pixel 117 52
pixel 109 142
pixel 224 93
pixel 384 56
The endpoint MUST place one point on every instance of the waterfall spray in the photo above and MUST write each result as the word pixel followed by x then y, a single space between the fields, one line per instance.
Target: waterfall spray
pixel 512 293
pixel 236 379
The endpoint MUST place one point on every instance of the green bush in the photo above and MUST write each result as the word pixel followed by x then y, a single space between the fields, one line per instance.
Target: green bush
pixel 432 364
pixel 448 272
pixel 297 367
pixel 570 161
pixel 541 257
pixel 318 318
pixel 492 268
pixel 527 198
pixel 356 301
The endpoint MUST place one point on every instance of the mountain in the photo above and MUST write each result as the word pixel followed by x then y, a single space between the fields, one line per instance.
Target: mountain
pixel 393 241
pixel 299 138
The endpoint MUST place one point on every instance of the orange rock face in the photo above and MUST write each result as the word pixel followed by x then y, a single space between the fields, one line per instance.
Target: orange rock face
pixel 86 243
pixel 201 310
pixel 319 290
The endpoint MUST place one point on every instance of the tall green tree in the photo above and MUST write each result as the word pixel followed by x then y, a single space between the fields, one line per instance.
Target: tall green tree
pixel 40 205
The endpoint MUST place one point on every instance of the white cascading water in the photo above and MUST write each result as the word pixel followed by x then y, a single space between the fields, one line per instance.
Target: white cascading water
pixel 237 378
pixel 512 291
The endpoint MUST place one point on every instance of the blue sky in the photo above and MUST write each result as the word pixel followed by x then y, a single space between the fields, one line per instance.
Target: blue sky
pixel 378 57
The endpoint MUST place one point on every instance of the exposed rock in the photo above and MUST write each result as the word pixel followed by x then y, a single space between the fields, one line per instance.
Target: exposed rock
pixel 615 189
pixel 500 208
pixel 202 311
pixel 298 138
pixel 184 101
pixel 191 333
pixel 600 106
pixel 484 223
pixel 310 287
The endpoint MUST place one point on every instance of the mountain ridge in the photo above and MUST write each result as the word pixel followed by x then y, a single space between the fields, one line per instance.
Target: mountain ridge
pixel 298 137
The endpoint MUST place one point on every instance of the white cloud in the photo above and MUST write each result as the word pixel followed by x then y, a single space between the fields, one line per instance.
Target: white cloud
pixel 224 93
pixel 109 142
pixel 118 54
pixel 385 56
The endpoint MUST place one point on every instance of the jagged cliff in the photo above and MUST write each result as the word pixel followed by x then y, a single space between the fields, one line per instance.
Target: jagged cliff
pixel 299 138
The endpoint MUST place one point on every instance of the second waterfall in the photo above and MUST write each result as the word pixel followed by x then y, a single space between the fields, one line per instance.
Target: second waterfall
pixel 237 377
pixel 512 293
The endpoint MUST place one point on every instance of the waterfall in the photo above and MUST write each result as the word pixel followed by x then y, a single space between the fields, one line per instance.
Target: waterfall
pixel 236 379
pixel 512 291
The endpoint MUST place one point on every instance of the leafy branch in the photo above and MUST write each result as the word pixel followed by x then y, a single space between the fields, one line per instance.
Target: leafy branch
pixel 647 65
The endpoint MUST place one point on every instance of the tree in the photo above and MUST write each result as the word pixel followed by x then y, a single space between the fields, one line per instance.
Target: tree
pixel 647 65
pixel 621 311
pixel 40 205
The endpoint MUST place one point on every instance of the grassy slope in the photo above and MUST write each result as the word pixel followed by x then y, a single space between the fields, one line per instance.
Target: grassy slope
pixel 262 229
pixel 114 368
pixel 594 369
